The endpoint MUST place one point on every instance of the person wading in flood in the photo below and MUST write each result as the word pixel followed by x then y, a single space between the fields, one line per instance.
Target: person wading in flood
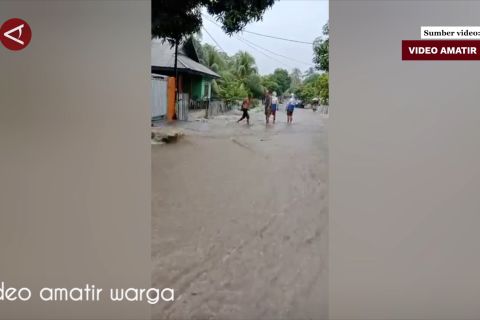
pixel 245 108
pixel 268 106
pixel 290 108
pixel 274 105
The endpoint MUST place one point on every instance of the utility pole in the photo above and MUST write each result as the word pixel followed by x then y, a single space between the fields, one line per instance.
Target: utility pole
pixel 176 76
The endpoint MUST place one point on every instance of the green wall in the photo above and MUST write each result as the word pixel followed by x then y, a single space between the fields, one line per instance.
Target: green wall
pixel 197 88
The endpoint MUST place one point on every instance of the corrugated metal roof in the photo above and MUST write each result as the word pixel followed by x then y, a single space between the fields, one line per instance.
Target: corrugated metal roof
pixel 164 56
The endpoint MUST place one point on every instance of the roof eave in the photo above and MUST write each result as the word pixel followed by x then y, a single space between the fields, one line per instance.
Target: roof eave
pixel 157 69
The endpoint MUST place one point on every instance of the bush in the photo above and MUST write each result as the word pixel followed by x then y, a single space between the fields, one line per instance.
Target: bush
pixel 323 89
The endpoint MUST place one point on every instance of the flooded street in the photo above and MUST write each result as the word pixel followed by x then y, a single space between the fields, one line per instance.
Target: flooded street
pixel 240 217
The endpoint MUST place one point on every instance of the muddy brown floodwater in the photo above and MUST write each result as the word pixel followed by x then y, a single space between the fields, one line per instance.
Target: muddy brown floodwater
pixel 240 217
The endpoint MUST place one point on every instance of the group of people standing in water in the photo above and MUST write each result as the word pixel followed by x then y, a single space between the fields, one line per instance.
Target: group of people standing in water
pixel 271 103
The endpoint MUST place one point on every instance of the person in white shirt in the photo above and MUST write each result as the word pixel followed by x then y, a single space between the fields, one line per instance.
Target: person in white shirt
pixel 274 105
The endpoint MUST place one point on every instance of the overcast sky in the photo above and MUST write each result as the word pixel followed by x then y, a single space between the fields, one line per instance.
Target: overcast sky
pixel 291 19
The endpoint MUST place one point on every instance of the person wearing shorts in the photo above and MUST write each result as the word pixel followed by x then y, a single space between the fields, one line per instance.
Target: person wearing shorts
pixel 268 106
pixel 290 108
pixel 274 105
pixel 245 107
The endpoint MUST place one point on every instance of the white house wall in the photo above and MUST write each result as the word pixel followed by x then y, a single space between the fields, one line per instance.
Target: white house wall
pixel 159 97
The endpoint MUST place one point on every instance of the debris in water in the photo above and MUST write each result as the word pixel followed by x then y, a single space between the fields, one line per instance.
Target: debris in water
pixel 166 137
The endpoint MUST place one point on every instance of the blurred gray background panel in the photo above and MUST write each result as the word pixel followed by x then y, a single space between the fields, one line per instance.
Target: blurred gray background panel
pixel 75 155
pixel 404 166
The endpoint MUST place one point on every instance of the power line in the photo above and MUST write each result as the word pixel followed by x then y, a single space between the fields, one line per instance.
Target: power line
pixel 279 38
pixel 261 34
pixel 238 37
pixel 244 41
pixel 266 55
pixel 256 47
pixel 213 39
pixel 270 57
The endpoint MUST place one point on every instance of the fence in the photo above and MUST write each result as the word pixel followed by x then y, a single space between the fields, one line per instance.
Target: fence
pixel 198 104
pixel 212 107
pixel 216 107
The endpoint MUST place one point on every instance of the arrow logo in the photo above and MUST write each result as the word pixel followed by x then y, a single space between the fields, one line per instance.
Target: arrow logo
pixel 15 34
pixel 19 29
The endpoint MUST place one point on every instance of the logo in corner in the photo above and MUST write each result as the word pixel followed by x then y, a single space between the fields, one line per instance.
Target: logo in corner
pixel 15 34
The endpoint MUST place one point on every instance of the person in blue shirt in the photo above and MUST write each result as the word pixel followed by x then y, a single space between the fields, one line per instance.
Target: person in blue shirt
pixel 290 107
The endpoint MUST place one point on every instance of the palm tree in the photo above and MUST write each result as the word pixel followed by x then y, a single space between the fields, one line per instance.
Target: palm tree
pixel 212 58
pixel 215 61
pixel 244 65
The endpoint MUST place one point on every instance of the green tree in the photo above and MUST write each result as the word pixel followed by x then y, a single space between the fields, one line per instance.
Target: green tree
pixel 174 20
pixel 254 85
pixel 306 92
pixel 244 65
pixel 279 81
pixel 212 59
pixel 230 88
pixel 239 73
pixel 321 50
pixel 268 82
pixel 311 78
pixel 314 86
pixel 281 77
pixel 296 79
pixel 309 72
